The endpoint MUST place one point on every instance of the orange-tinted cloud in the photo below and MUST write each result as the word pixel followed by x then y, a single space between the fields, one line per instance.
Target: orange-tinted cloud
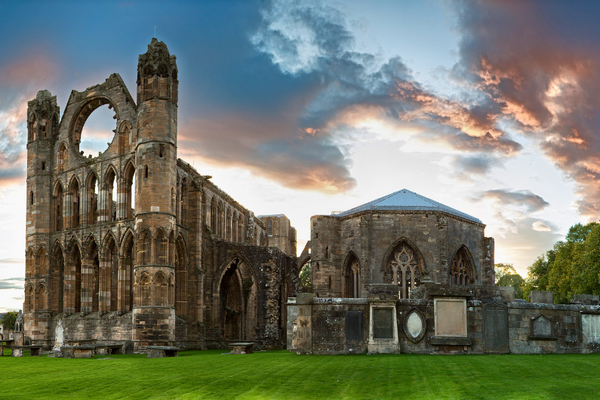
pixel 540 62
pixel 19 82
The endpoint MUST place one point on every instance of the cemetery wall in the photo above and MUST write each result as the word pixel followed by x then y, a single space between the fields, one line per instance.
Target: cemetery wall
pixel 493 326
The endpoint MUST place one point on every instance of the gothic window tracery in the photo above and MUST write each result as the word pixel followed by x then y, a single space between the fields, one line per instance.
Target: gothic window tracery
pixel 404 270
pixel 461 272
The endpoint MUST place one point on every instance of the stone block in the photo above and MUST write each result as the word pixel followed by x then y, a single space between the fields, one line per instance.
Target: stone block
pixel 542 297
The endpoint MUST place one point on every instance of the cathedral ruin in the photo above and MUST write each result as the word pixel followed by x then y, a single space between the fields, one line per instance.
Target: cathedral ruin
pixel 186 265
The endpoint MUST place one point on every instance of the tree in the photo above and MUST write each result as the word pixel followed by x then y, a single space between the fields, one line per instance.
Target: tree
pixel 305 275
pixel 503 269
pixel 515 281
pixel 571 267
pixel 507 275
pixel 9 319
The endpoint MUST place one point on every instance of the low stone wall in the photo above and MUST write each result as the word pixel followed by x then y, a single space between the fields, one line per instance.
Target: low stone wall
pixel 493 326
pixel 105 328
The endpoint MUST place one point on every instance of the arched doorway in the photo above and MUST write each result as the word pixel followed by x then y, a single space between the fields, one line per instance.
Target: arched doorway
pixel 236 300
pixel 232 303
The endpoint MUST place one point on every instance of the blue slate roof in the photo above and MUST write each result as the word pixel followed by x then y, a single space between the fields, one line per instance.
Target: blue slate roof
pixel 406 200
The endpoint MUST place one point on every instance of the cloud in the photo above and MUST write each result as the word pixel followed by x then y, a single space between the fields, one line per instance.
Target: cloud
pixel 356 95
pixel 543 226
pixel 476 165
pixel 538 63
pixel 12 261
pixel 300 161
pixel 12 283
pixel 525 199
pixel 511 208
pixel 19 81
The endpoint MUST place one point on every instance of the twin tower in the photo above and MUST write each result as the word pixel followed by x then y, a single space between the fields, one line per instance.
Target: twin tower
pixel 89 247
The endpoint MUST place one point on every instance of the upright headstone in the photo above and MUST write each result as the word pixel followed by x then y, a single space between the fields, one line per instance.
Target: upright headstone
pixel 18 336
pixel 58 336
pixel 495 327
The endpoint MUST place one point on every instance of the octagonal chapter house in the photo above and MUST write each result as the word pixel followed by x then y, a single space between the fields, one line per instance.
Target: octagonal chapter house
pixel 402 238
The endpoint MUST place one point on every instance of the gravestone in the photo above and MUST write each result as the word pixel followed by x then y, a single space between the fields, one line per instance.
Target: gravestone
pixel 590 328
pixel 383 323
pixel 354 325
pixel 58 336
pixel 495 327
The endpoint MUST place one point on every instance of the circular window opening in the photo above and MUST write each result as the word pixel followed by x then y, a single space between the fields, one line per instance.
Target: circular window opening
pixel 98 131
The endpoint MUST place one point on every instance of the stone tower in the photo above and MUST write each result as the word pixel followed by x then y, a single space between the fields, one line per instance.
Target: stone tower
pixel 155 206
pixel 42 129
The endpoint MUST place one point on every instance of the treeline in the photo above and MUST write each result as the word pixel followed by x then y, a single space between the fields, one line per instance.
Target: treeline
pixel 571 267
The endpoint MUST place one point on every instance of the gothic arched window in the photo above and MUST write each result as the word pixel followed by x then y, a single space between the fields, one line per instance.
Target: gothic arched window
pixel 404 269
pixel 461 272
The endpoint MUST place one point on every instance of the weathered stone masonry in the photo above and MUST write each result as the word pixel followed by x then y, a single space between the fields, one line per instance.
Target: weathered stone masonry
pixel 185 265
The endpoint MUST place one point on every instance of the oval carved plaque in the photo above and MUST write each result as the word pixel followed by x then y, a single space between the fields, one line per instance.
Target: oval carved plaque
pixel 414 325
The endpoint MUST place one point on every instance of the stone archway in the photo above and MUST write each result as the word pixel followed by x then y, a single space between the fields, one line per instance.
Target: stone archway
pixel 232 303
pixel 235 300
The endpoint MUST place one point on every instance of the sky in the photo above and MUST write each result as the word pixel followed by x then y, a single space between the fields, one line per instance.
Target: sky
pixel 310 107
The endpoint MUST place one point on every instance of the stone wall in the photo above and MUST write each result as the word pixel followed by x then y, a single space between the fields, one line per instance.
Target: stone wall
pixel 493 325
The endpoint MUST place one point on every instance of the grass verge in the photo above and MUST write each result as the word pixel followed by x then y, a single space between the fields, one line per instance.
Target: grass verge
pixel 284 375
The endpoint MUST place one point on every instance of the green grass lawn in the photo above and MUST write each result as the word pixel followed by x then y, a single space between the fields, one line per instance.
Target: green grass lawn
pixel 284 375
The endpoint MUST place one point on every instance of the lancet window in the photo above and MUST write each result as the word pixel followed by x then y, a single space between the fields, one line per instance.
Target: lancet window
pixel 461 272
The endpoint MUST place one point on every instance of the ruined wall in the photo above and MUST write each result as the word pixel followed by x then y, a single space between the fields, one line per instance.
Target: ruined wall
pixel 267 278
pixel 280 232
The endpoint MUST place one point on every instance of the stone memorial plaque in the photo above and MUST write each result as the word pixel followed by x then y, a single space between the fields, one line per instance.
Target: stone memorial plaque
pixel 590 328
pixel 354 325
pixel 383 323
pixel 542 327
pixel 450 317
pixel 414 326
pixel 495 327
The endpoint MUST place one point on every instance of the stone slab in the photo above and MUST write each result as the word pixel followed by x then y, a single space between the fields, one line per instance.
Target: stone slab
pixel 495 327
pixel 590 328
pixel 383 323
pixel 450 317
pixel 354 325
